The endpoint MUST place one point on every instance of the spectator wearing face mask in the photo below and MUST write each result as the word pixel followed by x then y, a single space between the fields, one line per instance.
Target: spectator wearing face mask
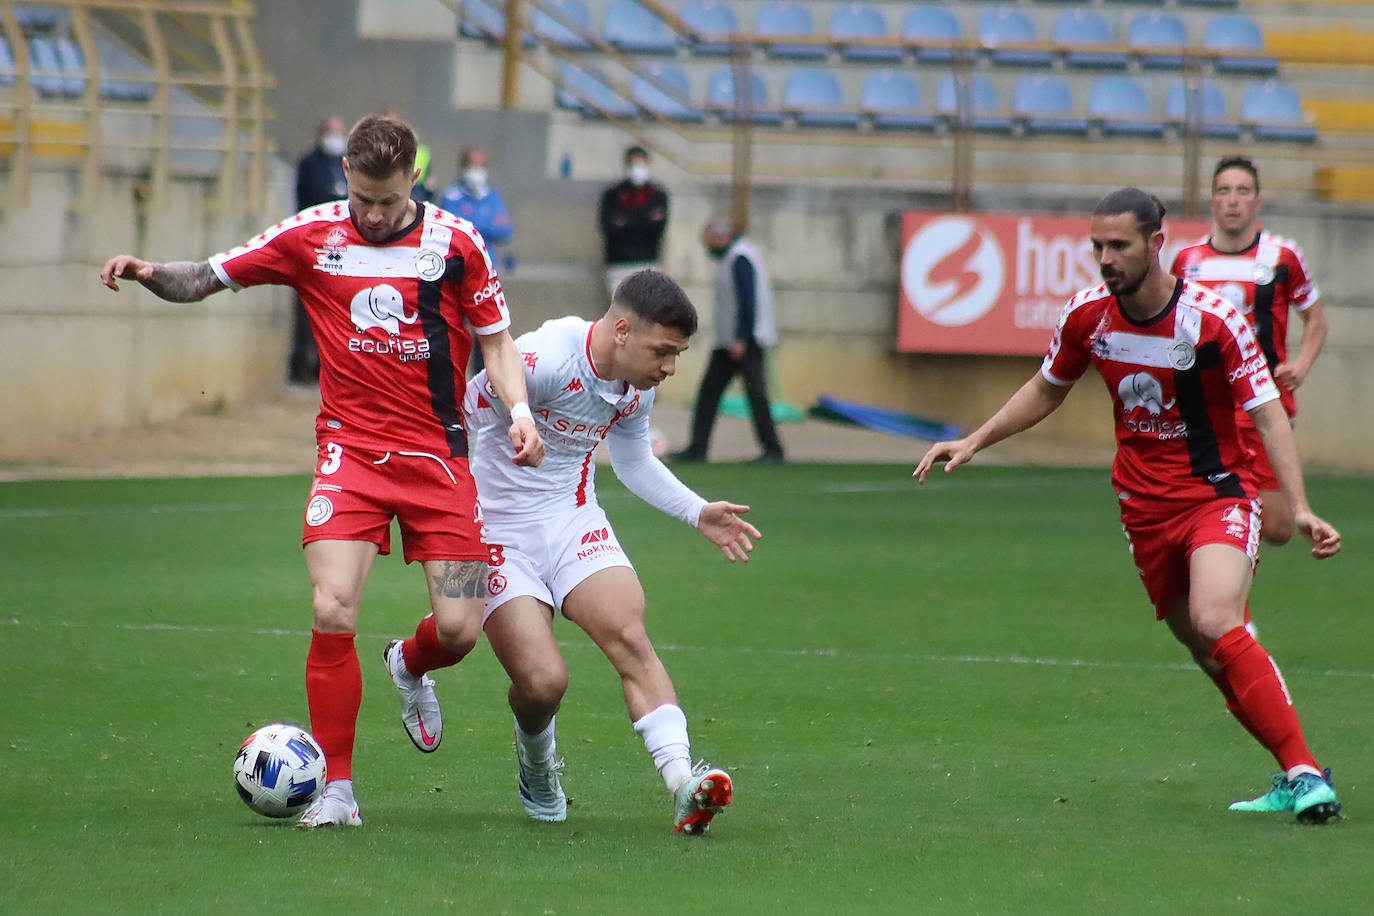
pixel 319 180
pixel 472 198
pixel 633 215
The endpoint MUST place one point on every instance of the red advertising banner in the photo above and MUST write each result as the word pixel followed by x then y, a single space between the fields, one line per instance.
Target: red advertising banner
pixel 995 283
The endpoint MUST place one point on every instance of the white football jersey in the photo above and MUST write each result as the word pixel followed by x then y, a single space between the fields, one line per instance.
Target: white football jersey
pixel 574 410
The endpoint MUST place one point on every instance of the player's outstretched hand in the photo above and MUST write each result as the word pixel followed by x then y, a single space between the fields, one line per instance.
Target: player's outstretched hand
pixel 952 454
pixel 124 267
pixel 529 448
pixel 1325 540
pixel 722 525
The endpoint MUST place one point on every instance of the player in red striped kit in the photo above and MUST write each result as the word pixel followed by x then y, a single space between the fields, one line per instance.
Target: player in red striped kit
pixel 391 288
pixel 1264 276
pixel 1178 361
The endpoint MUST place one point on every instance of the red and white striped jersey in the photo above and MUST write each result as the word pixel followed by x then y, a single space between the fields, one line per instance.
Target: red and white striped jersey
pixel 574 408
pixel 1264 281
pixel 1176 382
pixel 391 320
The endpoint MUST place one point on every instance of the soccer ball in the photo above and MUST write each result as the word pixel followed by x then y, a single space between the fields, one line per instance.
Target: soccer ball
pixel 279 770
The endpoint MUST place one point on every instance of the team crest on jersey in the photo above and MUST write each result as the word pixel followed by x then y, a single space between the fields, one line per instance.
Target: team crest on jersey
pixel 429 265
pixel 1182 355
pixel 319 511
pixel 496 583
pixel 335 237
pixel 1263 274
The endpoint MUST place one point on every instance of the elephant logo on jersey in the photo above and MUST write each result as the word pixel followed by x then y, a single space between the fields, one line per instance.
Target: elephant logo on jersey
pixel 1142 390
pixel 381 307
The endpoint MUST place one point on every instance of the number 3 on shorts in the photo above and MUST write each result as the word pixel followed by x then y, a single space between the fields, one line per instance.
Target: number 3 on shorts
pixel 332 458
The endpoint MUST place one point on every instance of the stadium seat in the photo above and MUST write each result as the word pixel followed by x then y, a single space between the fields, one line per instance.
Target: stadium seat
pixel 1210 109
pixel 1158 40
pixel 1008 25
pixel 7 70
pixel 816 98
pixel 35 18
pixel 788 20
pixel 586 90
pixel 1238 33
pixel 859 20
pixel 1044 104
pixel 47 73
pixel 73 61
pixel 674 105
pixel 720 97
pixel 565 24
pixel 1217 4
pixel 1273 111
pixel 932 24
pixel 1119 106
pixel 1084 26
pixel 636 29
pixel 981 111
pixel 714 22
pixel 483 19
pixel 892 101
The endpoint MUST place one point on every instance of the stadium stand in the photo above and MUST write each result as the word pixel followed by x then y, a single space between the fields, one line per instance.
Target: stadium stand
pixel 636 29
pixel 713 21
pixel 932 24
pixel 1007 26
pixel 50 77
pixel 981 111
pixel 1207 104
pixel 673 104
pixel 816 99
pixel 1084 26
pixel 562 23
pixel 1238 33
pixel 1273 111
pixel 1157 38
pixel 892 101
pixel 6 63
pixel 1043 103
pixel 586 90
pixel 859 20
pixel 721 99
pixel 781 20
pixel 485 19
pixel 1119 107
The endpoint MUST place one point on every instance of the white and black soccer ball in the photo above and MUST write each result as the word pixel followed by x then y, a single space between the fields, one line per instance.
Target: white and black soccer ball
pixel 279 770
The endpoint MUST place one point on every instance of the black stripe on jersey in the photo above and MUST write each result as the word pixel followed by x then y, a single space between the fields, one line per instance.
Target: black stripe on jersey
pixel 444 396
pixel 1204 455
pixel 1262 315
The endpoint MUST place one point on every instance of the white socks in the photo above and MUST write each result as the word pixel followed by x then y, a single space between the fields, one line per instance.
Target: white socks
pixel 540 746
pixel 664 731
pixel 1301 768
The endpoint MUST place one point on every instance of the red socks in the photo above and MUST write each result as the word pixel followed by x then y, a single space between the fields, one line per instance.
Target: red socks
pixel 334 690
pixel 1260 697
pixel 423 652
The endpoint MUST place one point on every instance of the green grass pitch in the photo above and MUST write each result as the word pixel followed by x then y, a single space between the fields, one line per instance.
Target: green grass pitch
pixel 950 698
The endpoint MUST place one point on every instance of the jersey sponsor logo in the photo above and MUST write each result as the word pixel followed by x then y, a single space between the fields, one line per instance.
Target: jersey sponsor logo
pixel 574 385
pixel 1142 391
pixel 429 265
pixel 952 271
pixel 491 291
pixel 530 359
pixel 381 306
pixel 595 536
pixel 319 510
pixel 1249 367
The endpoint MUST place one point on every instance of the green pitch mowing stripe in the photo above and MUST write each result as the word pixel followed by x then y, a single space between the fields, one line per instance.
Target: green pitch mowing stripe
pixel 940 699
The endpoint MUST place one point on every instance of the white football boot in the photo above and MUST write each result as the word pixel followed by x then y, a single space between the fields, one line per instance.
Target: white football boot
pixel 541 792
pixel 334 808
pixel 701 797
pixel 420 712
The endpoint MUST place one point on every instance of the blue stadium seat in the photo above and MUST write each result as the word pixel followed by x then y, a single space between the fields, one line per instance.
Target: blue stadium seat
pixel 934 24
pixel 892 100
pixel 675 105
pixel 1216 4
pixel 1008 25
pixel 714 22
pixel 781 19
pixel 35 18
pixel 1084 26
pixel 483 19
pixel 981 113
pixel 1209 105
pixel 554 30
pixel 73 61
pixel 1158 39
pixel 1274 112
pixel 859 20
pixel 7 69
pixel 1120 107
pixel 1044 103
pixel 1238 33
pixel 48 75
pixel 586 90
pixel 720 97
pixel 636 29
pixel 816 98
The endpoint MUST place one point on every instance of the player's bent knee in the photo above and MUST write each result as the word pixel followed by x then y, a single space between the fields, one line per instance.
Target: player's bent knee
pixel 333 613
pixel 459 635
pixel 543 688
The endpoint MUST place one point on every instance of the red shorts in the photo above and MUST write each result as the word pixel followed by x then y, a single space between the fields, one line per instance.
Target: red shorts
pixel 1257 456
pixel 1161 549
pixel 357 493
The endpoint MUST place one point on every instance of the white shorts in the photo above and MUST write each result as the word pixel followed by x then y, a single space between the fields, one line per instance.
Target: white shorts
pixel 549 557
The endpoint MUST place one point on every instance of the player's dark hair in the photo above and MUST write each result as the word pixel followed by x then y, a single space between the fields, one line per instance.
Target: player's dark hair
pixel 1236 162
pixel 656 298
pixel 380 147
pixel 633 151
pixel 1146 208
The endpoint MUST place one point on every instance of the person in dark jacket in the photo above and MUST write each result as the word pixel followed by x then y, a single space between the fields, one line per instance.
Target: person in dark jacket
pixel 633 215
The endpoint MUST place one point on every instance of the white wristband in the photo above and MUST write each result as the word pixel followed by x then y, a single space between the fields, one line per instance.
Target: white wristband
pixel 520 411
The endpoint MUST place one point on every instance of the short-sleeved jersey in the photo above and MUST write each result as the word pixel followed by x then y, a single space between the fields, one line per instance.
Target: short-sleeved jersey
pixel 391 320
pixel 1175 382
pixel 574 409
pixel 1264 281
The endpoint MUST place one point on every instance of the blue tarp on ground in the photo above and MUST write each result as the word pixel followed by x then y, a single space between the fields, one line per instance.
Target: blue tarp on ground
pixel 883 419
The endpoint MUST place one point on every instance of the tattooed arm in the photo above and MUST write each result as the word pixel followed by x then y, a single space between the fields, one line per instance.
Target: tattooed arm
pixel 177 281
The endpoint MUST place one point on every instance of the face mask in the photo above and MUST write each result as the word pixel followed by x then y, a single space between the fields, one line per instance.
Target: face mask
pixel 639 174
pixel 334 144
pixel 475 177
pixel 717 252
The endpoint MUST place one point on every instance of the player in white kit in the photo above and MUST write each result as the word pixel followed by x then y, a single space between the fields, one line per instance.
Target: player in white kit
pixel 552 546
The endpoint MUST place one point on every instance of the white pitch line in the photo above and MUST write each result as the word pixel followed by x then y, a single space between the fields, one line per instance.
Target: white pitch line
pixel 174 509
pixel 819 653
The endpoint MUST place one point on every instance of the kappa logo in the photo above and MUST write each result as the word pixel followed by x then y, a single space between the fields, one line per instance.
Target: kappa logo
pixel 574 385
pixel 952 272
pixel 1142 390
pixel 382 307
pixel 596 536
